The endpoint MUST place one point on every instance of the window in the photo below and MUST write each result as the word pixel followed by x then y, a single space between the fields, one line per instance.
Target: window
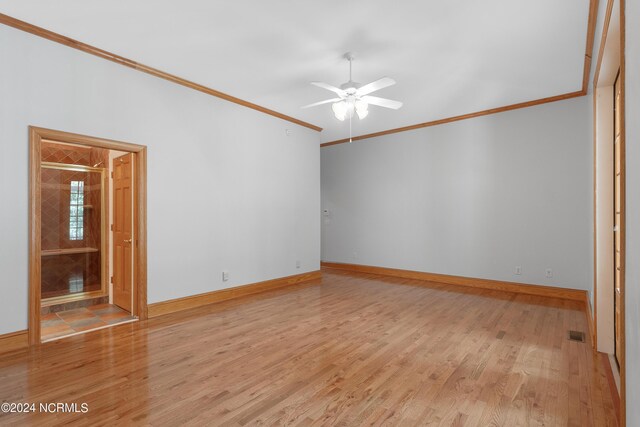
pixel 76 208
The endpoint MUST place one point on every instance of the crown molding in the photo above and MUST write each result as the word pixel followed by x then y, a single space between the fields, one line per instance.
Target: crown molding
pixel 58 38
pixel 67 41
pixel 591 27
pixel 458 118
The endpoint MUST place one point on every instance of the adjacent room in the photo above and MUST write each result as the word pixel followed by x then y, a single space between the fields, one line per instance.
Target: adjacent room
pixel 337 213
pixel 86 268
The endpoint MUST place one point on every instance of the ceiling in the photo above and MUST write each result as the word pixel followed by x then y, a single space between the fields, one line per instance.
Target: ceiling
pixel 448 57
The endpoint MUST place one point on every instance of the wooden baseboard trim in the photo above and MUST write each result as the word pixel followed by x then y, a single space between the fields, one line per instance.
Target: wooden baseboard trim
pixel 496 285
pixel 613 389
pixel 14 341
pixel 193 301
pixel 589 314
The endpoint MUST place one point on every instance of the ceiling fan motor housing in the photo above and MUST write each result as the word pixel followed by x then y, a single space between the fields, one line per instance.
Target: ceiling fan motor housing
pixel 350 87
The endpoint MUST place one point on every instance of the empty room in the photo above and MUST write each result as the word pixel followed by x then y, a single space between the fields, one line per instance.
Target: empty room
pixel 335 213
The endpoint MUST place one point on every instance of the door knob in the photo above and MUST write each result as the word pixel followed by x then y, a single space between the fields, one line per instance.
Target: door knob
pixel 127 241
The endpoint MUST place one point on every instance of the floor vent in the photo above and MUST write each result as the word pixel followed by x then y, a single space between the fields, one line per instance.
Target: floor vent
pixel 576 336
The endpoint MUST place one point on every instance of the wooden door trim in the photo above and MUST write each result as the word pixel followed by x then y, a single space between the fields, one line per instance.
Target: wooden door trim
pixel 623 221
pixel 35 242
pixel 603 40
pixel 36 136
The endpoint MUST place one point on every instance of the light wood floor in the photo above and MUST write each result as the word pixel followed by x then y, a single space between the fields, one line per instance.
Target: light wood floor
pixel 349 350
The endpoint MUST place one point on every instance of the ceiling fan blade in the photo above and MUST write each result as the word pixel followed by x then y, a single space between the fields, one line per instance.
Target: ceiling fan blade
pixel 327 86
pixel 377 85
pixel 326 101
pixel 382 102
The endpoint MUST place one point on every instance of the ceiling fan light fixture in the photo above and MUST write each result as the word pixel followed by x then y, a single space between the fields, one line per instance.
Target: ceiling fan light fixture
pixel 354 98
pixel 339 110
pixel 362 109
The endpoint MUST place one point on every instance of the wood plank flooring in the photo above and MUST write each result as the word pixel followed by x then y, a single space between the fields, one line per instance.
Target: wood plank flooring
pixel 350 349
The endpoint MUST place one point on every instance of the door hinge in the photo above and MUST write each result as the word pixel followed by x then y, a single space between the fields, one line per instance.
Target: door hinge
pixel 111 227
pixel 111 279
pixel 112 175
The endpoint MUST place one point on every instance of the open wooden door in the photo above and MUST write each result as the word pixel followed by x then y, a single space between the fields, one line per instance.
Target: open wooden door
pixel 618 226
pixel 123 231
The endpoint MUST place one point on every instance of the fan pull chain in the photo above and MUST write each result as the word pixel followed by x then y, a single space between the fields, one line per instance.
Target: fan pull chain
pixel 350 140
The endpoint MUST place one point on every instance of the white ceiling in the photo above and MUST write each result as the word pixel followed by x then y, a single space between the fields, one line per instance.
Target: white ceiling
pixel 449 57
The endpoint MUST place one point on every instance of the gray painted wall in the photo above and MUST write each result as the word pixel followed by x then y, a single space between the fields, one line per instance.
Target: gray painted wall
pixel 472 198
pixel 227 189
pixel 632 290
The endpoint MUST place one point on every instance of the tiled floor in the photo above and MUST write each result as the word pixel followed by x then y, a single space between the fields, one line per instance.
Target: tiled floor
pixel 62 323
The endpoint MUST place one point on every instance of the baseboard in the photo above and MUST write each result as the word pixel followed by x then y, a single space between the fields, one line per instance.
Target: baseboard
pixel 589 313
pixel 613 388
pixel 179 304
pixel 496 285
pixel 14 341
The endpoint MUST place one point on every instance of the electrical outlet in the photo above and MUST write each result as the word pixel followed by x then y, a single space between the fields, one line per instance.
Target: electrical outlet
pixel 225 276
pixel 518 270
pixel 298 264
pixel 548 273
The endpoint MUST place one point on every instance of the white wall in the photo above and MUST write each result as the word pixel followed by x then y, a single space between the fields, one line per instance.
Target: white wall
pixel 472 198
pixel 632 278
pixel 227 189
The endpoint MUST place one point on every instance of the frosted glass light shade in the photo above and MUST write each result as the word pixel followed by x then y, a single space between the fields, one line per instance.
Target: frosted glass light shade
pixel 344 109
pixel 339 110
pixel 362 108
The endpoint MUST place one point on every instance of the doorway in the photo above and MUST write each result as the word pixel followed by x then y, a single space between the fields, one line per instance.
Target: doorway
pixel 618 224
pixel 87 234
pixel 609 198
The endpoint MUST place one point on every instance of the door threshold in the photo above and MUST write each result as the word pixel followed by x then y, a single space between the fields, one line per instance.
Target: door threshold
pixel 90 330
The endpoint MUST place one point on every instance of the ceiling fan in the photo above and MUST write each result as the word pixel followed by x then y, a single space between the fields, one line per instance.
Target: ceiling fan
pixel 354 97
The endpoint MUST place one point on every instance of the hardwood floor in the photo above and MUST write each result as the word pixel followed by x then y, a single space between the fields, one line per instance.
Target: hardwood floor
pixel 350 349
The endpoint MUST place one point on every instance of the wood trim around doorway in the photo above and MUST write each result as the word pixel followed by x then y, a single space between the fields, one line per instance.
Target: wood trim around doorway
pixel 596 80
pixel 36 137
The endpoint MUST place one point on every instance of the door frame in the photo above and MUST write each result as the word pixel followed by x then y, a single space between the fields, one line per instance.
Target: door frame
pixel 36 136
pixel 597 83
